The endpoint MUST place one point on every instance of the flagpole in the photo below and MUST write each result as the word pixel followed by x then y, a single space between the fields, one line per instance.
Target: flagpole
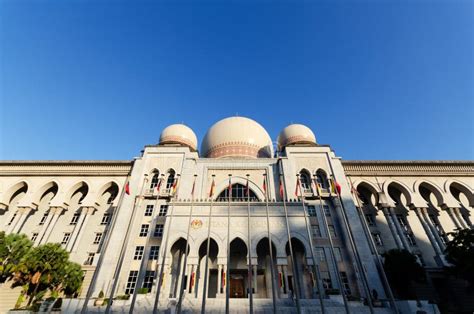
pixel 104 247
pixel 374 248
pixel 183 274
pixel 272 267
pixel 333 256
pixel 227 288
pixel 315 273
pixel 165 249
pixel 249 275
pixel 204 293
pixel 290 245
pixel 143 262
pixel 124 245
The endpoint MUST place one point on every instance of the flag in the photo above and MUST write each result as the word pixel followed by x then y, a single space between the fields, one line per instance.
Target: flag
pixel 312 279
pixel 158 187
pixel 127 188
pixel 229 193
pixel 247 188
pixel 354 190
pixel 280 277
pixel 223 279
pixel 174 187
pixel 213 185
pixel 335 186
pixel 320 192
pixel 281 188
pixel 264 185
pixel 332 186
pixel 297 190
pixel 191 283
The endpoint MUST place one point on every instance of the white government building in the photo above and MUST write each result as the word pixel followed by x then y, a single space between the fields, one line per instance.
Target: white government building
pixel 129 222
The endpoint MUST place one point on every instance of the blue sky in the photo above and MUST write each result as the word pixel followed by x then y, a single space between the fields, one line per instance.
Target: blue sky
pixel 100 79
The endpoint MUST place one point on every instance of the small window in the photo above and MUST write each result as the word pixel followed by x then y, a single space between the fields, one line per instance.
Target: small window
pixel 144 230
pixel 163 210
pixel 345 283
pixel 327 210
pixel 410 238
pixel 154 250
pixel 34 236
pixel 327 283
pixel 421 261
pixel 11 220
pixel 131 282
pixel 43 219
pixel 105 219
pixel 148 280
pixel 320 254
pixel 338 254
pixel 149 210
pixel 75 218
pixel 66 237
pixel 316 231
pixel 403 223
pixel 370 219
pixel 158 231
pixel 98 237
pixel 90 259
pixel 311 210
pixel 154 181
pixel 332 232
pixel 138 252
pixel 377 239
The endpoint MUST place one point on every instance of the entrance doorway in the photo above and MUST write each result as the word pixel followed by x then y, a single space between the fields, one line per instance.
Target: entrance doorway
pixel 237 286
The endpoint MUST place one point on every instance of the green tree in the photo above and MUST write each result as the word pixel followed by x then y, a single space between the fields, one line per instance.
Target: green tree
pixel 460 253
pixel 402 269
pixel 47 267
pixel 13 248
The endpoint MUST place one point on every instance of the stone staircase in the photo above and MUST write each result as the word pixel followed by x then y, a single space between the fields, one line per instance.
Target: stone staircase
pixel 8 296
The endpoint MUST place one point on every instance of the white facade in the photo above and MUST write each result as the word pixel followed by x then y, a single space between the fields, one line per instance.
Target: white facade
pixel 407 205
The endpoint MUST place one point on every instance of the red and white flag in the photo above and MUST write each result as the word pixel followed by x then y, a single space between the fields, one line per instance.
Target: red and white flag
pixel 213 185
pixel 297 190
pixel 127 188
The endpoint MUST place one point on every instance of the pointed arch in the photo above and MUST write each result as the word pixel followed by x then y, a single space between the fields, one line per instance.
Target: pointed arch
pixel 40 193
pixel 322 179
pixel 367 193
pixel 456 187
pixel 424 188
pixel 155 178
pixel 394 189
pixel 80 186
pixel 305 179
pixel 13 191
pixel 239 193
pixel 110 187
pixel 253 187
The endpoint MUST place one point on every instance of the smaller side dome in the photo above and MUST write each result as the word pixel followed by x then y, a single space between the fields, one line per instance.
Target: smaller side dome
pixel 296 134
pixel 179 134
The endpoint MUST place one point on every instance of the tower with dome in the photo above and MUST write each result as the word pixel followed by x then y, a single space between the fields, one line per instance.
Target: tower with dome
pixel 232 225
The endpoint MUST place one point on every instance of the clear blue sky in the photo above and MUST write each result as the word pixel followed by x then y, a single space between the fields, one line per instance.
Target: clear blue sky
pixel 101 79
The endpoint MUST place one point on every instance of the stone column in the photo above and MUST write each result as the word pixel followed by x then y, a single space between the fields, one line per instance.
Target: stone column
pixel 400 230
pixel 44 228
pixel 82 228
pixel 14 222
pixel 255 283
pixel 25 211
pixel 393 229
pixel 428 232
pixel 55 212
pixel 74 233
pixel 461 220
pixel 453 218
pixel 434 231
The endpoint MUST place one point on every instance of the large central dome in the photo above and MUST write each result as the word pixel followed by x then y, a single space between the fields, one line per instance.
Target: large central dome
pixel 237 137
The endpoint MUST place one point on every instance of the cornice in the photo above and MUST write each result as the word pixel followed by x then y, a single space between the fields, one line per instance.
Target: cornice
pixel 65 168
pixel 408 167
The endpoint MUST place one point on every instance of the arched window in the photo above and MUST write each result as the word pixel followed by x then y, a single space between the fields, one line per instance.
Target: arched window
pixel 155 179
pixel 239 193
pixel 322 179
pixel 170 181
pixel 305 180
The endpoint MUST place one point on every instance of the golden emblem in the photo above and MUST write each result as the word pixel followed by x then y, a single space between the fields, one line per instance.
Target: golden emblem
pixel 196 223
